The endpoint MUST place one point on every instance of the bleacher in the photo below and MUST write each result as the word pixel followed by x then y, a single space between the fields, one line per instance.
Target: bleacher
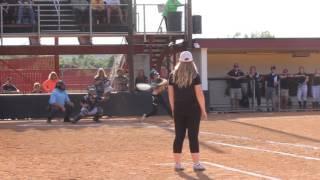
pixel 54 16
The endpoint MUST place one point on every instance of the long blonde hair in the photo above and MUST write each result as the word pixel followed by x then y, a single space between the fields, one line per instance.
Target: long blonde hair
pixel 101 71
pixel 184 73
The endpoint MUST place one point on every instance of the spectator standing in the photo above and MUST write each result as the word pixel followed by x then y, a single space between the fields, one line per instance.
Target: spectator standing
pixel 120 83
pixel 235 76
pixel 9 87
pixel 25 4
pixel 284 88
pixel 255 85
pixel 302 92
pixel 316 88
pixel 272 81
pixel 59 102
pixel 170 6
pixel 36 88
pixel 49 85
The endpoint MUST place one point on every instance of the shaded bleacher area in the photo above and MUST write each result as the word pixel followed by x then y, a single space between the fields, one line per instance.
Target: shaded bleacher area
pixel 52 16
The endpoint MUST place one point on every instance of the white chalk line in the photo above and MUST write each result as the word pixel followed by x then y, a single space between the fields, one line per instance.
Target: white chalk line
pixel 76 125
pixel 296 145
pixel 304 146
pixel 58 125
pixel 250 173
pixel 265 150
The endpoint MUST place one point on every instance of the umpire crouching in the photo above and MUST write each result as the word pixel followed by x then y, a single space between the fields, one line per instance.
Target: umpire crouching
pixel 60 102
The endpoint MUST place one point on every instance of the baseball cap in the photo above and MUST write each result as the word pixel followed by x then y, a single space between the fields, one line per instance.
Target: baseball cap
pixel 185 56
pixel 92 91
pixel 154 73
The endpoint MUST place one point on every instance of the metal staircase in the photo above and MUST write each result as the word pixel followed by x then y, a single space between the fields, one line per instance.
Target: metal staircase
pixel 157 46
pixel 55 18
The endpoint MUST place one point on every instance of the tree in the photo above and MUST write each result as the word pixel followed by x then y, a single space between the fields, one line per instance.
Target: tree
pixel 263 34
pixel 86 61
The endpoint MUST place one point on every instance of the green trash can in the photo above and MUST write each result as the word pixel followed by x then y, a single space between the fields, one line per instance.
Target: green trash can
pixel 174 20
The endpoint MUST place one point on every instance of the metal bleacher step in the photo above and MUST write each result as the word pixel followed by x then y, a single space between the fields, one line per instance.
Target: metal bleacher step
pixel 64 30
pixel 56 15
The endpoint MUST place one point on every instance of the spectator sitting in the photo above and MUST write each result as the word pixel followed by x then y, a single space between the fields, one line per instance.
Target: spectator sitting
pixel 9 11
pixel 8 87
pixel 113 5
pixel 60 102
pixel 49 84
pixel 98 11
pixel 102 83
pixel 90 106
pixel 25 4
pixel 141 78
pixel 80 9
pixel 36 88
pixel 120 83
pixel 5 10
pixel 124 9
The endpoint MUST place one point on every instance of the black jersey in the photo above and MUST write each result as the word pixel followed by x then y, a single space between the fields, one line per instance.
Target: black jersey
pixel 90 101
pixel 186 95
pixel 234 82
pixel 284 83
pixel 301 78
pixel 271 79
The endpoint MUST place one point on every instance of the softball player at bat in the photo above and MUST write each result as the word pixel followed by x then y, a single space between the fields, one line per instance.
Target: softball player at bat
pixel 158 87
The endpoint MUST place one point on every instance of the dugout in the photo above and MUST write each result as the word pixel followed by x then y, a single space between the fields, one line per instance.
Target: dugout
pixel 219 55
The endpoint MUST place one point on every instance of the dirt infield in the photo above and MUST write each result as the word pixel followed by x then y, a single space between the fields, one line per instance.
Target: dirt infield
pixel 233 146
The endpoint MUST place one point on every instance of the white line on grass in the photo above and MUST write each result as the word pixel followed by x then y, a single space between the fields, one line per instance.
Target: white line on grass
pixel 228 169
pixel 265 150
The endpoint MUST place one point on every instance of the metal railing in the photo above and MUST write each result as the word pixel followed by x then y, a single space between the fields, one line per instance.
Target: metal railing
pixel 57 18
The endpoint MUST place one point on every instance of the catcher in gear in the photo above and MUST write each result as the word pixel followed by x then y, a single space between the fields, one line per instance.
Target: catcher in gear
pixel 90 106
